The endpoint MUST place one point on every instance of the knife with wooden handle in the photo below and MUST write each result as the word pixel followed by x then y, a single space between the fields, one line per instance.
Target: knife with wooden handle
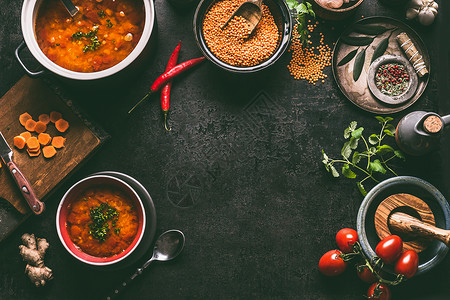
pixel 37 207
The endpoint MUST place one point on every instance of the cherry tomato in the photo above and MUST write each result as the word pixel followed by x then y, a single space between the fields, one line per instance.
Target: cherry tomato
pixel 389 249
pixel 331 264
pixel 365 274
pixel 379 291
pixel 345 238
pixel 407 263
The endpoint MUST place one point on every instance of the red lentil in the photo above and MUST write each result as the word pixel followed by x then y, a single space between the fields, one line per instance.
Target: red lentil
pixel 233 44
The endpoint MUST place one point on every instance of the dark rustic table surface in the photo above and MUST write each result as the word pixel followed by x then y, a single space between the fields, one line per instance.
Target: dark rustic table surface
pixel 259 209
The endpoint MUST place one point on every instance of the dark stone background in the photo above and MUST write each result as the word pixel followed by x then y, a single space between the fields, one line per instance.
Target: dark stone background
pixel 246 152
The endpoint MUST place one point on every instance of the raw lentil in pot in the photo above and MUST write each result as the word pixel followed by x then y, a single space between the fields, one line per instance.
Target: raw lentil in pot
pixel 233 44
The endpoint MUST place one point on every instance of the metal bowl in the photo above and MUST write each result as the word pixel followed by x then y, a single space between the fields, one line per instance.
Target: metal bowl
pixel 64 210
pixel 436 251
pixel 282 17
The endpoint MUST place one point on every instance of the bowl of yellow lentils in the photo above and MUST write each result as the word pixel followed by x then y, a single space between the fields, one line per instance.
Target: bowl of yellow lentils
pixel 232 46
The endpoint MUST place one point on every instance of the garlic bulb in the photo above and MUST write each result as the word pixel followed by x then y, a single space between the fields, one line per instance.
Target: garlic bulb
pixel 424 10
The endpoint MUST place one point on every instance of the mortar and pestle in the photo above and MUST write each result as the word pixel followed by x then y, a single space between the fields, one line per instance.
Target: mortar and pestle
pixel 411 208
pixel 419 132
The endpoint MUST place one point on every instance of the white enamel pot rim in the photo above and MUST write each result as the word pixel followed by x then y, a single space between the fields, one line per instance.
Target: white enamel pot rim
pixel 28 17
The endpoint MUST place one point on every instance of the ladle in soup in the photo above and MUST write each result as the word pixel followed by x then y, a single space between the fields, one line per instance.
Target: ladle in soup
pixel 71 8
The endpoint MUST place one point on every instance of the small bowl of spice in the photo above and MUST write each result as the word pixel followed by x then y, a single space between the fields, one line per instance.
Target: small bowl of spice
pixel 233 47
pixel 392 79
pixel 100 220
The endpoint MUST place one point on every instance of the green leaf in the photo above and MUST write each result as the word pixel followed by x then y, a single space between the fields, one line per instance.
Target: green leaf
pixel 388 119
pixel 361 188
pixel 400 155
pixel 388 132
pixel 350 129
pixel 391 128
pixel 302 9
pixel 347 172
pixel 373 150
pixel 380 120
pixel 348 57
pixel 356 40
pixel 380 49
pixel 370 29
pixel 374 139
pixel 382 150
pixel 357 133
pixel 359 64
pixel 356 157
pixel 376 166
pixel 334 172
pixel 353 143
pixel 292 4
pixel 346 150
pixel 324 156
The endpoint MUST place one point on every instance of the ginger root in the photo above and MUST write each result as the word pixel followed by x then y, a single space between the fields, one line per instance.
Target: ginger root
pixel 33 252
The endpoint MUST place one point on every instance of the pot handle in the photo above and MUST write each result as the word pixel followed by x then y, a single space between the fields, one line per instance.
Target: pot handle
pixel 30 73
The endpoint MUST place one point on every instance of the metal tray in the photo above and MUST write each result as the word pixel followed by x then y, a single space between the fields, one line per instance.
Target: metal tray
pixel 358 92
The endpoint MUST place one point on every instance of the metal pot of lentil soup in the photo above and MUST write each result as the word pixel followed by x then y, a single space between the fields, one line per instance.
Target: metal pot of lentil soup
pixel 106 40
pixel 230 47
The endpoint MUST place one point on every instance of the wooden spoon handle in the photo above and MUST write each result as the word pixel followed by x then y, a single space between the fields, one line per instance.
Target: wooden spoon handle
pixel 407 224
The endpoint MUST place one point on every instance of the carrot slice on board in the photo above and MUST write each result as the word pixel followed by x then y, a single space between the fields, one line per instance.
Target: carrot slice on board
pixel 44 139
pixel 26 135
pixel 19 141
pixel 34 154
pixel 40 127
pixel 23 118
pixel 44 118
pixel 33 143
pixel 30 125
pixel 48 151
pixel 58 142
pixel 62 125
pixel 55 116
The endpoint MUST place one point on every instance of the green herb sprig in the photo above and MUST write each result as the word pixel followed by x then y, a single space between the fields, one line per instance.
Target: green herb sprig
pixel 375 156
pixel 299 12
pixel 100 215
pixel 91 35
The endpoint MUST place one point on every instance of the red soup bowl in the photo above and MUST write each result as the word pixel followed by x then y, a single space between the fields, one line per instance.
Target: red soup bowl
pixel 68 204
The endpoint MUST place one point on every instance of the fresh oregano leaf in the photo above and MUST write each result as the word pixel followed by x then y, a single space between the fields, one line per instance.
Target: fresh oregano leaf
pixel 400 154
pixel 388 119
pixel 357 133
pixel 359 64
pixel 373 139
pixel 391 128
pixel 372 150
pixel 361 188
pixel 370 29
pixel 380 120
pixel 334 172
pixel 324 156
pixel 353 143
pixel 376 166
pixel 356 157
pixel 382 150
pixel 356 40
pixel 350 129
pixel 347 172
pixel 348 57
pixel 346 150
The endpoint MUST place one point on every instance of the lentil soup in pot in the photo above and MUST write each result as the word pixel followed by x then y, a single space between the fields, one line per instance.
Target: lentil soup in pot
pixel 99 36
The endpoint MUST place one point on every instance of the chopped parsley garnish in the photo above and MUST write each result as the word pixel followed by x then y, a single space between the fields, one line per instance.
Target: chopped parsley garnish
pixel 91 35
pixel 100 215
pixel 109 24
pixel 101 14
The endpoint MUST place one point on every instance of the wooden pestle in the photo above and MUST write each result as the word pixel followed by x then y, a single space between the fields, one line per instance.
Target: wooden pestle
pixel 405 223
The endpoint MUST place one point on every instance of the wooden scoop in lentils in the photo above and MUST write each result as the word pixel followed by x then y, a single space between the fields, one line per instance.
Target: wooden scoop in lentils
pixel 233 44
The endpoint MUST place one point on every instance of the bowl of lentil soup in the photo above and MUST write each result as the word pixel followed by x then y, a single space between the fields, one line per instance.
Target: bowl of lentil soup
pixel 100 220
pixel 231 47
pixel 103 39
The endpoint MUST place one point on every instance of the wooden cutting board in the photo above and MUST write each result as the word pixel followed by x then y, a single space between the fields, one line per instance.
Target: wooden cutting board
pixel 35 97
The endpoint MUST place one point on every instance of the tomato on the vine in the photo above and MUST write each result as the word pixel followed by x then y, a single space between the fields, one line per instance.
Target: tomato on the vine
pixel 379 291
pixel 365 274
pixel 346 238
pixel 407 263
pixel 389 249
pixel 331 264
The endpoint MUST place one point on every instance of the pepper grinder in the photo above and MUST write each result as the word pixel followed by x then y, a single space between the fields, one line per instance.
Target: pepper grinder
pixel 419 132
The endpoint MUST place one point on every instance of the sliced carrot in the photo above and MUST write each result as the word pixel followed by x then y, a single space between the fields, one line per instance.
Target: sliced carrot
pixel 62 125
pixel 44 118
pixel 44 139
pixel 23 118
pixel 58 142
pixel 26 135
pixel 48 151
pixel 33 143
pixel 55 116
pixel 40 127
pixel 30 125
pixel 19 141
pixel 33 154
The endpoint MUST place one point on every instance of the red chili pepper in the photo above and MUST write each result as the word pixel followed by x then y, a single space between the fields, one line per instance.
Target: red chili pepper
pixel 169 75
pixel 165 92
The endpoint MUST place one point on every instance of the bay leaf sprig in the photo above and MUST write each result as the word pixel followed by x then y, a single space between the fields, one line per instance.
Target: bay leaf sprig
pixel 359 64
pixel 371 161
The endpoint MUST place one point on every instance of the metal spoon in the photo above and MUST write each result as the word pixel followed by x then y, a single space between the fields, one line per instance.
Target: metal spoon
pixel 249 10
pixel 168 246
pixel 71 8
